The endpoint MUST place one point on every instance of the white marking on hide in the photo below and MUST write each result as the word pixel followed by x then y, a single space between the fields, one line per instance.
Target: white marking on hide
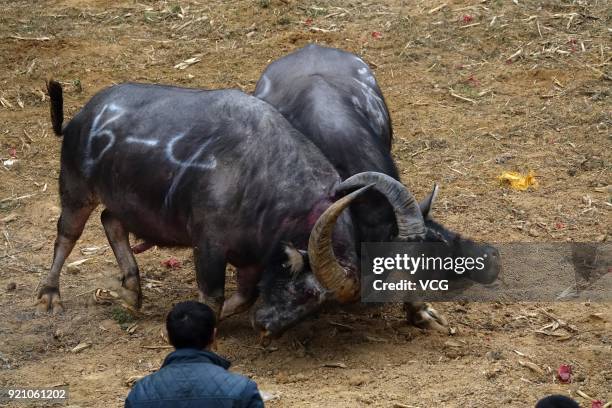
pixel 365 71
pixel 99 131
pixel 146 142
pixel 190 162
pixel 359 60
pixel 374 104
pixel 366 74
pixel 210 163
pixel 368 90
pixel 265 86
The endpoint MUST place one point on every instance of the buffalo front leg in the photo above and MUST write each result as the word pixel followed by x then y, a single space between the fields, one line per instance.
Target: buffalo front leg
pixel 119 241
pixel 69 228
pixel 210 265
pixel 248 278
pixel 424 316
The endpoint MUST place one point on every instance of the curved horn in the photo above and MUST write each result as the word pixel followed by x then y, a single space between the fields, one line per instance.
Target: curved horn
pixel 410 223
pixel 323 262
pixel 427 204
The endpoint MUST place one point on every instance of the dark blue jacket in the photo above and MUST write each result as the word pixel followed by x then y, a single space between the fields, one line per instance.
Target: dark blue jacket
pixel 191 378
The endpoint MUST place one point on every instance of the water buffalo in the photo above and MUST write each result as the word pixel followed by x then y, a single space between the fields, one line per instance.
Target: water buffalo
pixel 332 97
pixel 219 171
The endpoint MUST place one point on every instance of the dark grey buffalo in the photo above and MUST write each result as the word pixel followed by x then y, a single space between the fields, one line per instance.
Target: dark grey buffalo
pixel 219 171
pixel 332 97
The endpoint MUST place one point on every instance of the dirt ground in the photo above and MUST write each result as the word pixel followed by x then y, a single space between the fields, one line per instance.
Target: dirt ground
pixel 474 88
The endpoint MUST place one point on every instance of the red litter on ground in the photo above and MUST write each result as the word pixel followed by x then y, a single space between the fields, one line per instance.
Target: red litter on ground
pixel 467 19
pixel 597 404
pixel 12 152
pixel 376 34
pixel 472 81
pixel 564 373
pixel 171 263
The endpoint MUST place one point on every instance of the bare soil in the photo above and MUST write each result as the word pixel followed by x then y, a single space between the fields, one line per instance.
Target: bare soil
pixel 475 88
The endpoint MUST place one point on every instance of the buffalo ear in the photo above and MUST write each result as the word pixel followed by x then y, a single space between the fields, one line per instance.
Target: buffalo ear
pixel 427 204
pixel 297 260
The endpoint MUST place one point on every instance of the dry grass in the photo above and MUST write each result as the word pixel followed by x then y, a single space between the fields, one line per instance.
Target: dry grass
pixel 474 88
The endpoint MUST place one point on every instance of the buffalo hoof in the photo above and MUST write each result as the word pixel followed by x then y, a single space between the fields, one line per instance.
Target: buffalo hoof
pixel 428 318
pixel 49 301
pixel 236 304
pixel 131 293
pixel 265 338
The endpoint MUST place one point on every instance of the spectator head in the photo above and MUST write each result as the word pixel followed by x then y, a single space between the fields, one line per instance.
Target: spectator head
pixel 557 401
pixel 191 325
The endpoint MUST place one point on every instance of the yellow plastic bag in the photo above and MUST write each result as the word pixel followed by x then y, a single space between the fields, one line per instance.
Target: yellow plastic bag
pixel 517 180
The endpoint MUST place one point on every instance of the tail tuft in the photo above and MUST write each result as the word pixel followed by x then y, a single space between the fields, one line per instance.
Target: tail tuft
pixel 54 89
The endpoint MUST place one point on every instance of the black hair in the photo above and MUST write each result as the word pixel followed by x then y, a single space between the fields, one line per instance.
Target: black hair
pixel 557 401
pixel 191 324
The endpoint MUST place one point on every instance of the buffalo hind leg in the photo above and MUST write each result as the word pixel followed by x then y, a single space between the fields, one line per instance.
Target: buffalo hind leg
pixel 424 316
pixel 210 265
pixel 119 241
pixel 246 295
pixel 69 228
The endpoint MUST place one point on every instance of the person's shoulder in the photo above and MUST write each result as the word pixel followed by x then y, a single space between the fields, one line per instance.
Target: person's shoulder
pixel 246 391
pixel 233 384
pixel 202 380
pixel 143 388
pixel 160 382
pixel 210 378
pixel 237 382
